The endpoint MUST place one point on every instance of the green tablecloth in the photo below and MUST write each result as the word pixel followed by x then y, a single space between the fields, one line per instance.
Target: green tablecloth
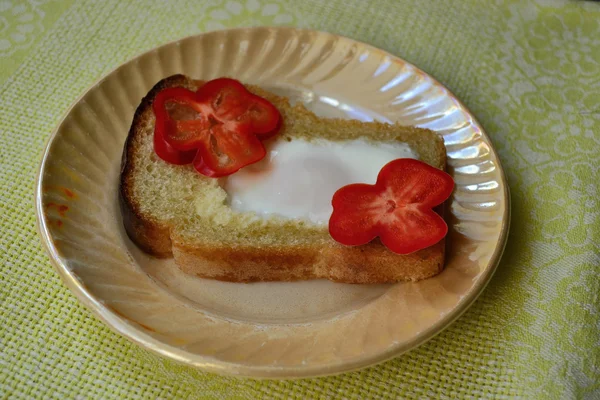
pixel 529 70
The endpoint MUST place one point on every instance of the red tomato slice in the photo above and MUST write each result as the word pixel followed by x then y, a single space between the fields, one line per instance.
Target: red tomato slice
pixel 233 103
pixel 163 124
pixel 397 209
pixel 240 150
pixel 222 124
pixel 273 132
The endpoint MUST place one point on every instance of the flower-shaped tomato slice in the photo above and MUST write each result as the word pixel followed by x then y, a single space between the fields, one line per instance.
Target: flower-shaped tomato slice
pixel 398 208
pixel 219 128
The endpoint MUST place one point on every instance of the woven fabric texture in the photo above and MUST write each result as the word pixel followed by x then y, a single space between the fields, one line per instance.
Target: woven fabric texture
pixel 529 70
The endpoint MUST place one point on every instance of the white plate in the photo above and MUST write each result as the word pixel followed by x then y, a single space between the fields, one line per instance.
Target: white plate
pixel 275 330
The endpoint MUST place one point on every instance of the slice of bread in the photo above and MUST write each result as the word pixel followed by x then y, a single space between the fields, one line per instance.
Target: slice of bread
pixel 170 210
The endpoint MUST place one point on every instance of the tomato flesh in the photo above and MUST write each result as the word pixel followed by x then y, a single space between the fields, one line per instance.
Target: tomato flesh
pixel 398 208
pixel 219 128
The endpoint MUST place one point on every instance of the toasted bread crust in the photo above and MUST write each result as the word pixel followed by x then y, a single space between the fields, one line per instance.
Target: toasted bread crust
pixel 371 263
pixel 151 236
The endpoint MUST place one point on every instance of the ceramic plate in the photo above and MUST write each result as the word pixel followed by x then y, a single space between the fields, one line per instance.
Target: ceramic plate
pixel 274 330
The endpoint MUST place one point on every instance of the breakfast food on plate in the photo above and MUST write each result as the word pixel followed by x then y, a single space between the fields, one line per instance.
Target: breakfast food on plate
pixel 238 185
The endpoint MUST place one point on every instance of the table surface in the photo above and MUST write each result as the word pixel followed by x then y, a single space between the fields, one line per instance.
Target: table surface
pixel 530 72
